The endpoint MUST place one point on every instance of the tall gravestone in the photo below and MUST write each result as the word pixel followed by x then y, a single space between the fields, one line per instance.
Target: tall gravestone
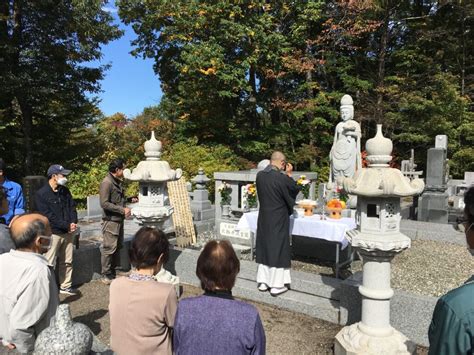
pixel 433 204
pixel 31 184
pixel 201 207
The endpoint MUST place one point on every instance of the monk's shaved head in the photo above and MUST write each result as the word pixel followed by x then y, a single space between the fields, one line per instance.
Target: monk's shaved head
pixel 26 228
pixel 277 156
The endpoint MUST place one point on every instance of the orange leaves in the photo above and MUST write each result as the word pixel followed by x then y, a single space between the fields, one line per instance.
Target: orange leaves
pixel 289 106
pixel 212 70
pixel 208 71
pixel 298 63
pixel 184 116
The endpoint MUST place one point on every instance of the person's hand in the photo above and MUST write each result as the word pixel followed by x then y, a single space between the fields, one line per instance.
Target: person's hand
pixel 289 169
pixel 8 345
pixel 72 227
pixel 134 199
pixel 127 211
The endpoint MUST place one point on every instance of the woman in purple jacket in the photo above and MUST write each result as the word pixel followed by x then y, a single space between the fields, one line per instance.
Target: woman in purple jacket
pixel 216 323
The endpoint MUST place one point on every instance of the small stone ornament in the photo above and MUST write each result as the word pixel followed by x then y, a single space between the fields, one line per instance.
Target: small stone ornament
pixel 64 336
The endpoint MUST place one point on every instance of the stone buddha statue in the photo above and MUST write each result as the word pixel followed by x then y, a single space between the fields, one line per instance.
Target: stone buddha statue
pixel 345 156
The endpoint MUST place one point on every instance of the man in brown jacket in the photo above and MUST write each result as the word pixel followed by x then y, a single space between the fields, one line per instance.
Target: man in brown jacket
pixel 112 201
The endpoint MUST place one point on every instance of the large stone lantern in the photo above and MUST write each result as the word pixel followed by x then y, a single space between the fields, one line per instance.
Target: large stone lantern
pixel 153 208
pixel 377 239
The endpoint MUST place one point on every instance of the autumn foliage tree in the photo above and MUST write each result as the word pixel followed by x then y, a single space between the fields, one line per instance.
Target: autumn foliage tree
pixel 263 75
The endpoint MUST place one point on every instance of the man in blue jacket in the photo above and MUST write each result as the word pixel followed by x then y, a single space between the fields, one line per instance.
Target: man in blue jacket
pixel 452 327
pixel 55 202
pixel 14 194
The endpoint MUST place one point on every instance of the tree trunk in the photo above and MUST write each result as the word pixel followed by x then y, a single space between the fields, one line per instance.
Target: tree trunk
pixel 275 115
pixel 4 15
pixel 463 45
pixel 27 117
pixel 379 111
pixel 25 108
pixel 254 122
pixel 310 114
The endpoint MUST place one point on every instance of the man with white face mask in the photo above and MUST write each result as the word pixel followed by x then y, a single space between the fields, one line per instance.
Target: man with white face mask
pixel 55 202
pixel 28 291
pixel 452 327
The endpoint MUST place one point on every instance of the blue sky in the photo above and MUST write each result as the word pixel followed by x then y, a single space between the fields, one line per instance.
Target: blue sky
pixel 130 84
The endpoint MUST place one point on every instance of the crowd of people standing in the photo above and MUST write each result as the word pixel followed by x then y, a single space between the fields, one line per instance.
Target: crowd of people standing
pixel 145 315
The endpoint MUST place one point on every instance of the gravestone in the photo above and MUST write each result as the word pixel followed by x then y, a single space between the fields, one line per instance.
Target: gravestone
pixel 469 178
pixel 436 169
pixel 94 211
pixel 433 203
pixel 441 141
pixel 408 167
pixel 31 184
pixel 201 207
pixel 226 225
pixel 458 188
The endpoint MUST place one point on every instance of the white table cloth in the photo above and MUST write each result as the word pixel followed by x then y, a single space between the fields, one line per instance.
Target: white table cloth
pixel 333 230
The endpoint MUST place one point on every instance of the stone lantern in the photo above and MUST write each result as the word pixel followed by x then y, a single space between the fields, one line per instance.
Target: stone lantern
pixel 377 239
pixel 153 208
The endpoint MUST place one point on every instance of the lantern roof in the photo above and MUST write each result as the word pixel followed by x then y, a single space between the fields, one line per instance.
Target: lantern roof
pixel 152 169
pixel 379 180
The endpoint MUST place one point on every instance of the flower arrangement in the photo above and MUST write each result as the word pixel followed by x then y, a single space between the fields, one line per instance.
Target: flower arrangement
pixel 225 191
pixel 251 195
pixel 342 194
pixel 305 184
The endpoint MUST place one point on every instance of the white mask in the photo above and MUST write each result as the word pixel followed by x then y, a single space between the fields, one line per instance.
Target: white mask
pixel 62 181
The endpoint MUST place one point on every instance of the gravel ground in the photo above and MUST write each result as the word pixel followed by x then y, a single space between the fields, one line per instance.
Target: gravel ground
pixel 286 332
pixel 427 268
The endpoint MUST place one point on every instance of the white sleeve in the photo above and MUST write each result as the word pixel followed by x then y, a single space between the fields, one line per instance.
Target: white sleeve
pixel 27 312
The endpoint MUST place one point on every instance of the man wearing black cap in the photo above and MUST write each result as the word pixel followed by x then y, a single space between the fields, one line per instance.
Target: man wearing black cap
pixel 55 202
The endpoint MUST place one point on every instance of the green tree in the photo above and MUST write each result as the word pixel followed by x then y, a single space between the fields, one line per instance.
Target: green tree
pixel 263 75
pixel 45 50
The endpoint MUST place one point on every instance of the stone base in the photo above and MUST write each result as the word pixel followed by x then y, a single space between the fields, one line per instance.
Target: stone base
pixel 352 341
pixel 433 207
